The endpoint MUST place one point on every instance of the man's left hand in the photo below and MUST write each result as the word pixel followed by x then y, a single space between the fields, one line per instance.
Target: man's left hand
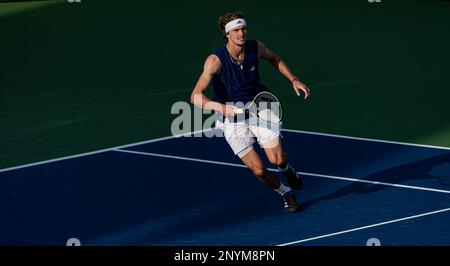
pixel 298 85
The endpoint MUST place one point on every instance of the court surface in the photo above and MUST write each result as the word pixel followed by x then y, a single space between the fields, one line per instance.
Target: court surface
pixel 193 191
pixel 82 76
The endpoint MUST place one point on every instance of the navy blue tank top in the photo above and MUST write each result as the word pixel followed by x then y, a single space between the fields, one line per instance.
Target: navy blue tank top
pixel 235 82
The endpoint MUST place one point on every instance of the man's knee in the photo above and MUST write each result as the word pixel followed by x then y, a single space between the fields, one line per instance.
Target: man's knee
pixel 278 159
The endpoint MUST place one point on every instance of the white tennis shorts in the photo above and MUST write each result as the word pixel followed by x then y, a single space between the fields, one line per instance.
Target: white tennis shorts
pixel 241 135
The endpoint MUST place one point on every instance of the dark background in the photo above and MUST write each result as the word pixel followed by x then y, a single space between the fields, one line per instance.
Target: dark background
pixel 77 77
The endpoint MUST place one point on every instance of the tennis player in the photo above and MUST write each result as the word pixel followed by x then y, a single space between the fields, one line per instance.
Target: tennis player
pixel 233 72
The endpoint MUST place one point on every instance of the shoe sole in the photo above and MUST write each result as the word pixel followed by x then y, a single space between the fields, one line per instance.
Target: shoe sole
pixel 290 209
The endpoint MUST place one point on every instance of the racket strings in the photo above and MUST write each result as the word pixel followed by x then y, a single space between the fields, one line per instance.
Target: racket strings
pixel 268 108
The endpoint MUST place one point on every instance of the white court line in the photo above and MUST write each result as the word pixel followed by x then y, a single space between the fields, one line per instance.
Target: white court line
pixel 198 131
pixel 377 183
pixel 366 139
pixel 276 170
pixel 100 151
pixel 364 227
pixel 183 158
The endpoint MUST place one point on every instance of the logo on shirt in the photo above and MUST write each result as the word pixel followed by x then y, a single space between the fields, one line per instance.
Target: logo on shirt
pixel 253 68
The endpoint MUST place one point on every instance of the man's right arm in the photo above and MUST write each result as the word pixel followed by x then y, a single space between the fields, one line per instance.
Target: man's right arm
pixel 198 98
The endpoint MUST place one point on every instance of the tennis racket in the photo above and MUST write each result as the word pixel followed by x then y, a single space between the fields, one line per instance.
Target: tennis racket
pixel 265 106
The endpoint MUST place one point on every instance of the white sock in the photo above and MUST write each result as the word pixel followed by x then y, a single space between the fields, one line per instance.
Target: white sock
pixel 283 189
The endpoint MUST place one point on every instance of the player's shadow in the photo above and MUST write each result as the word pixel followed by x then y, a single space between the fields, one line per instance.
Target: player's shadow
pixel 437 168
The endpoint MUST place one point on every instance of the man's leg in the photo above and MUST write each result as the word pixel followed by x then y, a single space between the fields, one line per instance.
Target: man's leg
pixel 253 161
pixel 240 139
pixel 277 157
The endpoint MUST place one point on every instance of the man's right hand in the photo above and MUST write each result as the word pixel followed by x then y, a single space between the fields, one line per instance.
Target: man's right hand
pixel 229 110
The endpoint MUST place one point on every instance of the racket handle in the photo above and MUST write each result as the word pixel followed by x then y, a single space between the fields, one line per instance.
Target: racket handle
pixel 239 111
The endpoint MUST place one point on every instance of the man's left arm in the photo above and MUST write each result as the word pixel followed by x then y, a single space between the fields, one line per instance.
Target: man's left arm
pixel 278 63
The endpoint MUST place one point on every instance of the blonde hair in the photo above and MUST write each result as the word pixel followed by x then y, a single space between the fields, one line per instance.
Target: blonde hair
pixel 223 20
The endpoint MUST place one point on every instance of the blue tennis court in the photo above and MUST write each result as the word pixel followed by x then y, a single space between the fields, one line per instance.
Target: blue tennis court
pixel 192 191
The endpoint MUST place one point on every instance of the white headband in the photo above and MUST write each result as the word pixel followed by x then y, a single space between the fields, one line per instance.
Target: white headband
pixel 234 23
